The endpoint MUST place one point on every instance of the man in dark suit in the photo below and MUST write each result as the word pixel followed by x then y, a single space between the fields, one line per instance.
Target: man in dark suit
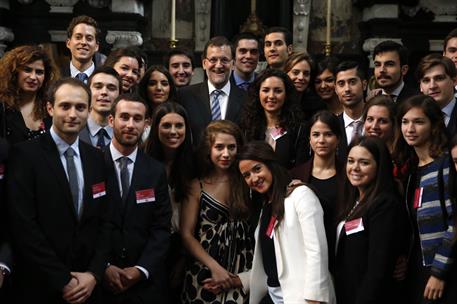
pixel 390 67
pixel 105 87
pixel 180 64
pixel 138 189
pixel 215 98
pixel 277 47
pixel 83 35
pixel 57 206
pixel 437 75
pixel 350 86
pixel 246 60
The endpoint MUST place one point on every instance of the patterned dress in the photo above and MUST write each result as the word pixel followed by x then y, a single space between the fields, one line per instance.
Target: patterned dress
pixel 228 242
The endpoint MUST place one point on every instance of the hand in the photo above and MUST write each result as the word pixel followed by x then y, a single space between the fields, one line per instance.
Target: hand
pixel 130 277
pixel 70 286
pixel 113 278
pixel 221 277
pixel 434 288
pixel 235 281
pixel 81 292
pixel 212 287
pixel 373 93
pixel 400 268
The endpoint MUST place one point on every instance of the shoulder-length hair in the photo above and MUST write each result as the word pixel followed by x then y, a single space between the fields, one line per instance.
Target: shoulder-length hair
pixel 262 152
pixel 144 83
pixel 300 56
pixel 329 119
pixel 10 65
pixel 383 179
pixel 438 139
pixel 253 118
pixel 182 168
pixel 238 198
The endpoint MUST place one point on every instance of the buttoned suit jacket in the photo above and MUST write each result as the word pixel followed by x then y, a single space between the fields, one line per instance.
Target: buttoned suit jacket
pixel 196 100
pixel 49 239
pixel 141 231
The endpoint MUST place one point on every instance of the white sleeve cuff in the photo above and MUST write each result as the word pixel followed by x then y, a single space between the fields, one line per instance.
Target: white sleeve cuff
pixel 144 271
pixel 6 267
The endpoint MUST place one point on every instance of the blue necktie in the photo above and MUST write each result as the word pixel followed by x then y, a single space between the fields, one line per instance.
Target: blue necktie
pixel 82 76
pixel 215 106
pixel 72 177
pixel 125 177
pixel 101 138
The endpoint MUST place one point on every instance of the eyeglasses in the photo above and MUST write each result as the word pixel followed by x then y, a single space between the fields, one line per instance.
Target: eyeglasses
pixel 223 60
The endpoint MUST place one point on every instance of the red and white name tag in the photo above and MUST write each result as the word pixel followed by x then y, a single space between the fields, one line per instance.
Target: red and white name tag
pixel 98 190
pixel 2 171
pixel 418 197
pixel 145 196
pixel 278 133
pixel 271 227
pixel 354 226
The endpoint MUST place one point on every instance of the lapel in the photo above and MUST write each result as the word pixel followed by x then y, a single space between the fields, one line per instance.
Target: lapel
pixel 136 183
pixel 451 127
pixel 87 164
pixel 234 100
pixel 55 164
pixel 113 185
pixel 203 97
pixel 84 135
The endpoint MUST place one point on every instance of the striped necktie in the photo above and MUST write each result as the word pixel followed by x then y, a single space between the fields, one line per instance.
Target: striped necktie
pixel 215 106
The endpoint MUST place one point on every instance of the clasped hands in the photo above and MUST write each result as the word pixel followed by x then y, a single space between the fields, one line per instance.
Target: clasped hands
pixel 221 280
pixel 120 279
pixel 80 287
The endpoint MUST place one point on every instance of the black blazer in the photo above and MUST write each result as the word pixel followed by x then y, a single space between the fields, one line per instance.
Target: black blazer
pixel 343 144
pixel 195 99
pixel 451 128
pixel 365 260
pixel 48 237
pixel 141 231
pixel 5 250
pixel 407 92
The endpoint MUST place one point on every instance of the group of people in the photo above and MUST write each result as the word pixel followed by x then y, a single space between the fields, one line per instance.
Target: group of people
pixel 301 183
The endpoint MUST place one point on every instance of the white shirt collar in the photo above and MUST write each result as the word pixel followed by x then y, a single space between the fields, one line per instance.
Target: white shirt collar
pixel 115 154
pixel 74 71
pixel 449 107
pixel 225 89
pixel 62 145
pixel 348 120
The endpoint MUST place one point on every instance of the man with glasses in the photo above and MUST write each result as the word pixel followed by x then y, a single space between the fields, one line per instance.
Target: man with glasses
pixel 215 98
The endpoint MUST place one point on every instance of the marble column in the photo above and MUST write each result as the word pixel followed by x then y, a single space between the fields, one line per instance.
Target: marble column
pixel 202 23
pixel 301 24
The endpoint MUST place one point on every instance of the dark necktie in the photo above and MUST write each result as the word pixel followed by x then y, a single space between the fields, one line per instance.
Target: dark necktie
pixel 72 177
pixel 215 106
pixel 101 138
pixel 82 76
pixel 244 85
pixel 125 177
pixel 356 129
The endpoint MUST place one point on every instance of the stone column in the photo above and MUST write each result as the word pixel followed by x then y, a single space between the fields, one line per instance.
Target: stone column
pixel 301 24
pixel 127 7
pixel 6 35
pixel 202 23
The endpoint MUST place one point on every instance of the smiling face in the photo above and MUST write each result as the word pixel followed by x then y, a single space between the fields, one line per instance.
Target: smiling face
pixel 172 131
pixel 350 88
pixel 246 57
pixel 82 43
pixel 378 123
pixel 361 168
pixel 129 70
pixel 276 50
pixel 181 70
pixel 388 71
pixel 300 75
pixel 416 128
pixel 223 151
pixel 257 175
pixel 272 95
pixel 128 123
pixel 30 77
pixel 438 85
pixel 325 85
pixel 218 64
pixel 322 140
pixel 104 89
pixel 158 88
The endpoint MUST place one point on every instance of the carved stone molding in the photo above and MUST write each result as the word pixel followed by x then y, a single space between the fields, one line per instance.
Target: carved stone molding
pixel 202 23
pixel 121 39
pixel 381 11
pixel 444 10
pixel 6 35
pixel 301 23
pixel 371 43
pixel 127 6
pixel 99 3
pixel 61 6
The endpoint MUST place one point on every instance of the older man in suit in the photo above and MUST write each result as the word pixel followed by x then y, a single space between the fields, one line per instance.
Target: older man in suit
pixel 215 98
pixel 138 188
pixel 57 206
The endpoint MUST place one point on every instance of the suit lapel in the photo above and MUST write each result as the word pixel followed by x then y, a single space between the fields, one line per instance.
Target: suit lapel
pixel 114 186
pixel 233 103
pixel 203 96
pixel 84 135
pixel 135 183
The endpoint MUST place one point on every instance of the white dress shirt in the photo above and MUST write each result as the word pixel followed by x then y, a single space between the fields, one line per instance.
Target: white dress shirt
pixel 349 126
pixel 223 98
pixel 93 131
pixel 74 71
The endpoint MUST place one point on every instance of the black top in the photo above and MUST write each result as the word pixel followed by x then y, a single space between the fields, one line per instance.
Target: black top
pixel 267 248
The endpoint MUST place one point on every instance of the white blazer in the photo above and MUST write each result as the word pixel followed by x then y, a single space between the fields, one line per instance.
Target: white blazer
pixel 301 254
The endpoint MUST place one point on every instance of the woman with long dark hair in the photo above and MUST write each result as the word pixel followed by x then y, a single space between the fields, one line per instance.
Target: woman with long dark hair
pixel 25 75
pixel 324 83
pixel 290 258
pixel 272 114
pixel 422 142
pixel 214 221
pixel 371 221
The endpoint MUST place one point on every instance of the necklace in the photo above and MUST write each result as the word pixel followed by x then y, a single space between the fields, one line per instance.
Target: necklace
pixel 352 210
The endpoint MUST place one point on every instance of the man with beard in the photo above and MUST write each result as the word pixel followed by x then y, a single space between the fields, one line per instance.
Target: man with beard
pixel 180 64
pixel 105 86
pixel 351 84
pixel 138 189
pixel 390 67
pixel 277 47
pixel 246 60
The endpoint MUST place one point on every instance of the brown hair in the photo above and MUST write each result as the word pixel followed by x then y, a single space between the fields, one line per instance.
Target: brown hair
pixel 433 60
pixel 10 65
pixel 86 20
pixel 452 34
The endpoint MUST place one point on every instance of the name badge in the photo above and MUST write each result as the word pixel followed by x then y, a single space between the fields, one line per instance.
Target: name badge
pixel 418 197
pixel 278 133
pixel 2 171
pixel 271 227
pixel 145 196
pixel 98 190
pixel 354 226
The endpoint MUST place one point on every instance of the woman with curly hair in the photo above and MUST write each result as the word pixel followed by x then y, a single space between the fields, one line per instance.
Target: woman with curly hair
pixel 25 74
pixel 273 114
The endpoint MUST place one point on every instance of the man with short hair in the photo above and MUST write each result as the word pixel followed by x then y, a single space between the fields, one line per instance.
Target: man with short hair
pixel 105 86
pixel 277 47
pixel 138 188
pixel 450 47
pixel 390 67
pixel 350 87
pixel 83 37
pixel 180 64
pixel 437 76
pixel 57 206
pixel 246 60
pixel 214 98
